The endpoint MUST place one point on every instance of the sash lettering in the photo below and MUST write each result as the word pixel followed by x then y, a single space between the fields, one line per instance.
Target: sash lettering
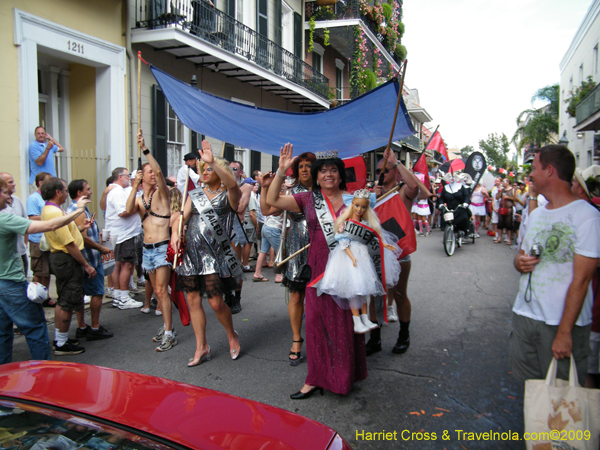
pixel 224 250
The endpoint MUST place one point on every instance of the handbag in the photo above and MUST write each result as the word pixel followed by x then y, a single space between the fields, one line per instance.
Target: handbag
pixel 503 210
pixel 561 414
pixel 305 273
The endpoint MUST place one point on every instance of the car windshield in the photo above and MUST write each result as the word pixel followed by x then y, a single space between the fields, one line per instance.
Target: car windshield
pixel 24 427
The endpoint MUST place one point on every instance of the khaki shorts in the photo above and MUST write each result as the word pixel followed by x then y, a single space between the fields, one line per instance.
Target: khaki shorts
pixel 530 349
pixel 69 281
pixel 39 260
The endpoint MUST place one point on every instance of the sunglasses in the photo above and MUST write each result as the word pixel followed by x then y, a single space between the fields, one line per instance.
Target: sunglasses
pixel 378 171
pixel 235 169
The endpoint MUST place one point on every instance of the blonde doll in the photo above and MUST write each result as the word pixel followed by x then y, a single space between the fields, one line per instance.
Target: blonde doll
pixel 351 276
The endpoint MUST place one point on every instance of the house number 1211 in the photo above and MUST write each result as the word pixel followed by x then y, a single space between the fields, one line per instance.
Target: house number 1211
pixel 75 47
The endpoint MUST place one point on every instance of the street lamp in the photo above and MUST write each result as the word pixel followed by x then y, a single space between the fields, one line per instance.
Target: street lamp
pixel 563 140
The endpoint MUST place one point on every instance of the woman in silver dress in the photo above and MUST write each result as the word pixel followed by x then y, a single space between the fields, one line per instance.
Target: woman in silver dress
pixel 204 270
pixel 296 239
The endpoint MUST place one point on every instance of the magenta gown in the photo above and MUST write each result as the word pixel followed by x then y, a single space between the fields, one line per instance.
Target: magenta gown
pixel 335 355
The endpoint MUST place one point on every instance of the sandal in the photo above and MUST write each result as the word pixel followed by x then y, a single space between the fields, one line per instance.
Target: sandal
pixel 257 280
pixel 50 303
pixel 497 242
pixel 296 361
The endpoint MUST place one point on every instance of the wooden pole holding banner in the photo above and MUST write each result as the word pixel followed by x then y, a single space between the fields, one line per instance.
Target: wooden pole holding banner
pixel 223 150
pixel 390 192
pixel 180 226
pixel 139 107
pixel 394 122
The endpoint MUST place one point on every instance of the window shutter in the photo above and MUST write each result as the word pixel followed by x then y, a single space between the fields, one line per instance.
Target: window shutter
pixel 275 163
pixel 231 8
pixel 159 126
pixel 298 31
pixel 229 153
pixel 278 22
pixel 255 158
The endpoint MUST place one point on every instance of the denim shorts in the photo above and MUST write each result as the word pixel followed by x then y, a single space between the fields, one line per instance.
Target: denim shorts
pixel 153 258
pixel 270 238
pixel 94 286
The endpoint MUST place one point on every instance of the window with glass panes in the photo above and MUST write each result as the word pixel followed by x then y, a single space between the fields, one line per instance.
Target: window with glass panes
pixel 175 143
pixel 338 83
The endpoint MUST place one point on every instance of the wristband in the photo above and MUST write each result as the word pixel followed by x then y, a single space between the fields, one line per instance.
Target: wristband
pixel 145 152
pixel 280 174
pixel 395 166
pixel 533 198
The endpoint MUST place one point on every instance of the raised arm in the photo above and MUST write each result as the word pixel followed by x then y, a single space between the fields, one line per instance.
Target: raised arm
pixel 38 226
pixel 131 207
pixel 233 190
pixel 273 182
pixel 161 184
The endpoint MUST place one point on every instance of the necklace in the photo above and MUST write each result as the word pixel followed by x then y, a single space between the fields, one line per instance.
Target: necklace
pixel 214 192
pixel 334 199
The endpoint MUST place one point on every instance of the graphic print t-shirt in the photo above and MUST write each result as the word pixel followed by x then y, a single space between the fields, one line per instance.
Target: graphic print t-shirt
pixel 562 233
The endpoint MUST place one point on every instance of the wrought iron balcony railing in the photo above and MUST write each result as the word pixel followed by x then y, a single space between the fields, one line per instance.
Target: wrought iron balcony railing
pixel 413 141
pixel 211 25
pixel 589 106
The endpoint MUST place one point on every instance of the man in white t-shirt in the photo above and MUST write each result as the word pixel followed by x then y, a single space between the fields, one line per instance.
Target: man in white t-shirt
pixel 190 160
pixel 127 226
pixel 553 309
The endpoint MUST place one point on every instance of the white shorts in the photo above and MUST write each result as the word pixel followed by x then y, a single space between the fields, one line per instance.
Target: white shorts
pixel 494 217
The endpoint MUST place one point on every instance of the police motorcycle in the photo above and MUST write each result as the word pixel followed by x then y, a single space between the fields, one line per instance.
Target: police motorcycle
pixel 456 215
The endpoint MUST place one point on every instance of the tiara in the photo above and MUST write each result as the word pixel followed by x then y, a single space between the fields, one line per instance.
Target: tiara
pixel 362 193
pixel 327 154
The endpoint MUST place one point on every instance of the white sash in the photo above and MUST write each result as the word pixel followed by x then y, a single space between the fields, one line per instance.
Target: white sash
pixel 325 215
pixel 213 222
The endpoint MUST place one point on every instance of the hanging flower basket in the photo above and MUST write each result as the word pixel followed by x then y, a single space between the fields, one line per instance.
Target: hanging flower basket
pixel 326 2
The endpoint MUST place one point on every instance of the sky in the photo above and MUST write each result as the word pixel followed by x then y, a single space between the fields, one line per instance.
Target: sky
pixel 477 64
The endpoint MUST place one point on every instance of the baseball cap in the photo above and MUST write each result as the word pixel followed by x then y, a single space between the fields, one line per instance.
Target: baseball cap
pixel 250 180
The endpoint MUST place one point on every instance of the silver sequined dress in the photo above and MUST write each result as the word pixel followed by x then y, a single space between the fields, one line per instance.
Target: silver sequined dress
pixel 199 257
pixel 297 237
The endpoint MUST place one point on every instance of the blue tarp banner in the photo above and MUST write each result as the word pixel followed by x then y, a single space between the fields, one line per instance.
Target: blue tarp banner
pixel 357 127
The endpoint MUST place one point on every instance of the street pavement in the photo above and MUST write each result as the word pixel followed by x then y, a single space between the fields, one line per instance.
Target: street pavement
pixel 455 376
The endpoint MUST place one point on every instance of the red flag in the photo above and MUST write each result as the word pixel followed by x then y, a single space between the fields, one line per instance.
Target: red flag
pixel 437 144
pixel 395 218
pixel 356 173
pixel 421 167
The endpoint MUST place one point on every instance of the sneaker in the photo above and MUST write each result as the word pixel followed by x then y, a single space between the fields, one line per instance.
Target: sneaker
pixel 82 332
pixel 132 287
pixel 100 333
pixel 69 341
pixel 158 312
pixel 130 304
pixel 68 349
pixel 108 292
pixel 477 235
pixel 145 310
pixel 131 294
pixel 87 299
pixel 141 282
pixel 391 314
pixel 161 332
pixel 117 303
pixel 167 343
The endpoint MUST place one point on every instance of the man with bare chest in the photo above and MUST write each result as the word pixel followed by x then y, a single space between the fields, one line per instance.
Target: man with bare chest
pixel 154 209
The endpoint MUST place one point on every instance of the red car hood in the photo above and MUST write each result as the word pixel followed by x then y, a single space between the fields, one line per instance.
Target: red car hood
pixel 189 415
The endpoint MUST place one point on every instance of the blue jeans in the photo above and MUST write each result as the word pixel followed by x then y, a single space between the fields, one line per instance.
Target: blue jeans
pixel 29 317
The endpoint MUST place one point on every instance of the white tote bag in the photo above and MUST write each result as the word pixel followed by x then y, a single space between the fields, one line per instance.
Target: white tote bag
pixel 561 414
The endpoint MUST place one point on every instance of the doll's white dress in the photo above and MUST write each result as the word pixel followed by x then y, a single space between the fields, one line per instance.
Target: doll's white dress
pixel 343 281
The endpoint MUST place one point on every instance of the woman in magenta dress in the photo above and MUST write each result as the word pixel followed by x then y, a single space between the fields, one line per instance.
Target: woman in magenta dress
pixel 336 356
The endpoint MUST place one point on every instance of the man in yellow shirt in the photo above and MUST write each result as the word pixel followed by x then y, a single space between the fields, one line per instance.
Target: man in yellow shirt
pixel 66 263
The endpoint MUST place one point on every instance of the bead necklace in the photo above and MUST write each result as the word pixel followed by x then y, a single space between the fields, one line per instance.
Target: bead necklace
pixel 218 191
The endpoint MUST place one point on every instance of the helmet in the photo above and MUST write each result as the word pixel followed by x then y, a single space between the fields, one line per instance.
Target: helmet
pixel 37 292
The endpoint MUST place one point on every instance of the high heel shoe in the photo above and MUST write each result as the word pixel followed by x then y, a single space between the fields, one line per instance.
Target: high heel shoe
pixel 235 353
pixel 298 355
pixel 205 357
pixel 302 395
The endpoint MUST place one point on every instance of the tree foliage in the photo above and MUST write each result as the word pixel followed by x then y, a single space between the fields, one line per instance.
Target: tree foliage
pixel 466 151
pixel 539 126
pixel 578 94
pixel 495 148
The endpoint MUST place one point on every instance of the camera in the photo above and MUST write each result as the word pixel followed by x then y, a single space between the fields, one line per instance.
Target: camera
pixel 536 250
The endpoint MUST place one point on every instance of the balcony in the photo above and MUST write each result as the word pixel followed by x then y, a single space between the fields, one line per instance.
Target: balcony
pixel 413 142
pixel 206 23
pixel 588 112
